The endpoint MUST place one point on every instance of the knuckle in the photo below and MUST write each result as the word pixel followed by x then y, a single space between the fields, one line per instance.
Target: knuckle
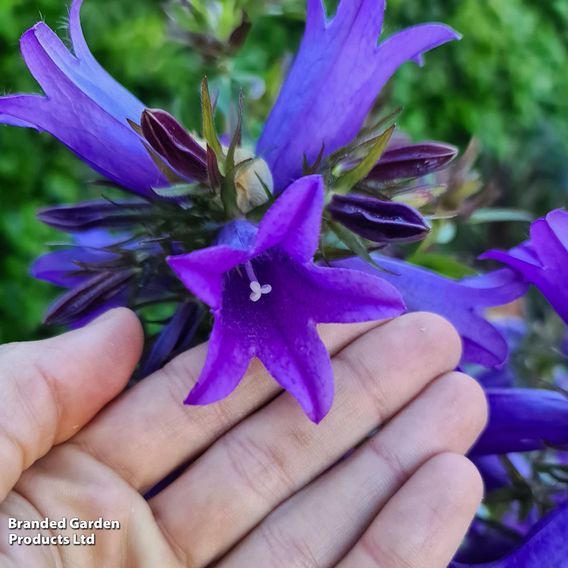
pixel 382 554
pixel 390 459
pixel 259 467
pixel 286 549
pixel 362 373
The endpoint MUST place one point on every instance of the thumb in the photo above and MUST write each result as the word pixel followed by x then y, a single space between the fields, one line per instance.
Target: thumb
pixel 50 389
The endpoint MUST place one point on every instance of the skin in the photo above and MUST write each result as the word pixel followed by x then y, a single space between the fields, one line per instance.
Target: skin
pixel 260 484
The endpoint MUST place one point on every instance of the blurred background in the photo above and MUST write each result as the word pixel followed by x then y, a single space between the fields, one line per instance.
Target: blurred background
pixel 505 85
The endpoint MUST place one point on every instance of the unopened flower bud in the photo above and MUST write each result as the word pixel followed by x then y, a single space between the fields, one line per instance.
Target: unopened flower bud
pixel 252 180
pixel 378 221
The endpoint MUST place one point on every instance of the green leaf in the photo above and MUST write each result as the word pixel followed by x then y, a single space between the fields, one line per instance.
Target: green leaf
pixel 209 131
pixel 442 264
pixel 180 190
pixel 495 215
pixel 345 182
pixel 354 243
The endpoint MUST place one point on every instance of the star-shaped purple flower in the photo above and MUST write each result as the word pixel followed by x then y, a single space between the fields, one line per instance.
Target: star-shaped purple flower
pixel 543 260
pixel 267 296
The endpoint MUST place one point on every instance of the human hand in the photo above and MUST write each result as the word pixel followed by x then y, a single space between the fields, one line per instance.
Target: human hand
pixel 259 487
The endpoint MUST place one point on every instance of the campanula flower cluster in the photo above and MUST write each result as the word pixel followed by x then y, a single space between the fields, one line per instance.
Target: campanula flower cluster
pixel 251 243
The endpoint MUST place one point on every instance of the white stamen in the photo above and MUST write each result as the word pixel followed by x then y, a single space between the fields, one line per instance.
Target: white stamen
pixel 257 291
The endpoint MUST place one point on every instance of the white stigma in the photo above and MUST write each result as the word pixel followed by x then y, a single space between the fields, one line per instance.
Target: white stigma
pixel 258 291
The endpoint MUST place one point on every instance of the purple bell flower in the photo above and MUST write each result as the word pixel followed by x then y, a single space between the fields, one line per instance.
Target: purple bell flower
pixel 543 260
pixel 545 546
pixel 378 221
pixel 461 302
pixel 523 420
pixel 83 106
pixel 267 296
pixel 335 80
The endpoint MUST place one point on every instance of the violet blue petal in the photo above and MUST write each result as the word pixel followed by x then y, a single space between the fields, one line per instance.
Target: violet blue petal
pixel 543 260
pixel 83 107
pixel 337 75
pixel 546 546
pixel 175 335
pixel 267 296
pixel 378 221
pixel 96 214
pixel 460 302
pixel 94 291
pixel 227 362
pixel 523 420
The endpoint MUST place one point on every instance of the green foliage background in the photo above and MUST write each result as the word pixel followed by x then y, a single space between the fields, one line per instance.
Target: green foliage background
pixel 505 84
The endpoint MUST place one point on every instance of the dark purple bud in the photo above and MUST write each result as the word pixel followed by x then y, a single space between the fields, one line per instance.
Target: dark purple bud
pixel 174 143
pixel 213 173
pixel 88 296
pixel 412 161
pixel 378 221
pixel 240 34
pixel 96 214
pixel 175 337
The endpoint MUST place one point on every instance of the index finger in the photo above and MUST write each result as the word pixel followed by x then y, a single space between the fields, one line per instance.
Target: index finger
pixel 148 432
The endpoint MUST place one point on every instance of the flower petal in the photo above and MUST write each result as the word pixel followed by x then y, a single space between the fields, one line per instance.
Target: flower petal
pixel 294 221
pixel 202 271
pixel 338 295
pixel 461 302
pixel 225 366
pixel 95 81
pixel 522 420
pixel 300 363
pixel 543 261
pixel 338 73
pixel 545 546
pixel 88 119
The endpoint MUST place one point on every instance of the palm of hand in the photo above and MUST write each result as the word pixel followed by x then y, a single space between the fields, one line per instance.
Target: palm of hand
pixel 260 485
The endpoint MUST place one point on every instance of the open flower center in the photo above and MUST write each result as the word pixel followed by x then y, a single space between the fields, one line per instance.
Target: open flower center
pixel 257 289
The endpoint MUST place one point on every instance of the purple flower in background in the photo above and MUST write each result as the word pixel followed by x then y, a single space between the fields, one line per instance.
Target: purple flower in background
pixel 267 295
pixel 96 214
pixel 83 106
pixel 522 420
pixel 175 337
pixel 545 546
pixel 543 260
pixel 89 293
pixel 461 302
pixel 378 221
pixel 514 331
pixel 335 80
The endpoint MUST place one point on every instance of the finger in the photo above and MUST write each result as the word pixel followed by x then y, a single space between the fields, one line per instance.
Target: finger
pixel 274 453
pixel 148 432
pixel 425 522
pixel 323 521
pixel 52 388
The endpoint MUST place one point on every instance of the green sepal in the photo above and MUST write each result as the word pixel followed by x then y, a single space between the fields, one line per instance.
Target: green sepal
pixel 348 180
